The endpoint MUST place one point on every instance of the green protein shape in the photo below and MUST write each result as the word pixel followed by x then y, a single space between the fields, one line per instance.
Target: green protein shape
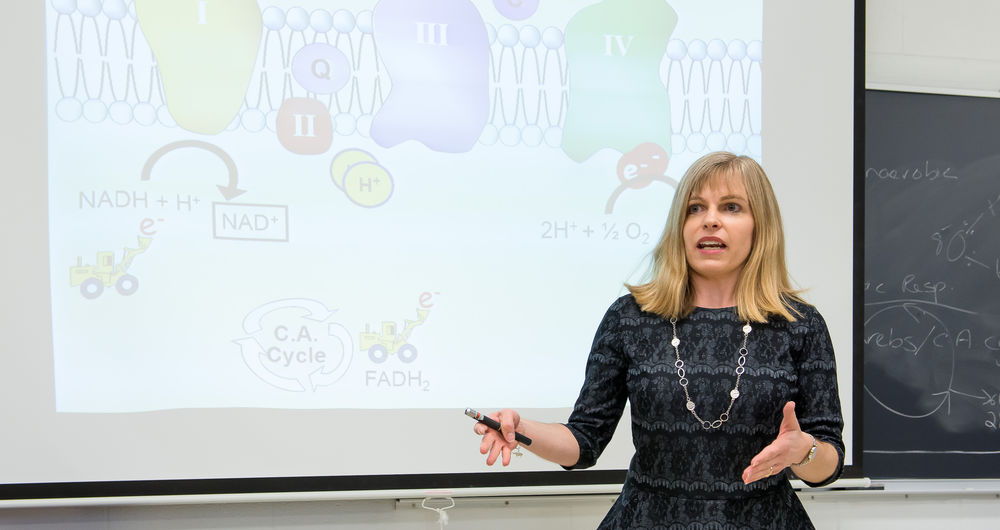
pixel 205 51
pixel 616 97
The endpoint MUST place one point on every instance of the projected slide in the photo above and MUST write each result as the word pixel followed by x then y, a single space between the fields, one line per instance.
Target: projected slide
pixel 367 204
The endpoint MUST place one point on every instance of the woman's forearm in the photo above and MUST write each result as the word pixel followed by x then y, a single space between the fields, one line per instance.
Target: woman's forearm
pixel 552 441
pixel 823 465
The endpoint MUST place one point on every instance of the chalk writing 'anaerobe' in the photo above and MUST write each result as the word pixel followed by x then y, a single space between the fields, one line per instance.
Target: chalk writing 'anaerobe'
pixel 927 173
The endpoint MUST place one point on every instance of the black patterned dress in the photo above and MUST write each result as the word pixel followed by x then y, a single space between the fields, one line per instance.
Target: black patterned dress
pixel 682 475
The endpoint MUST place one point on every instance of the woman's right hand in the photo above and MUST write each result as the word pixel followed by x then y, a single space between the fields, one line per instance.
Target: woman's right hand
pixel 499 444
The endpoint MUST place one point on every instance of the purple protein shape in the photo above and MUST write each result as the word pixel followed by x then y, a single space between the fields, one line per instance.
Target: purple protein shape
pixel 516 9
pixel 436 53
pixel 321 68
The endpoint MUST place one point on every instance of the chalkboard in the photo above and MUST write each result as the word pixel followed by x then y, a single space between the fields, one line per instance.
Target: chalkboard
pixel 932 286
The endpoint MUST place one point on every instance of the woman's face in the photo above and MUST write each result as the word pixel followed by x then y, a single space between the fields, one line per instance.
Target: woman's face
pixel 718 229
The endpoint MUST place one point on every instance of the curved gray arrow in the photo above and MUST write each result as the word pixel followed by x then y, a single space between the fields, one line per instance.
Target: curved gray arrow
pixel 229 191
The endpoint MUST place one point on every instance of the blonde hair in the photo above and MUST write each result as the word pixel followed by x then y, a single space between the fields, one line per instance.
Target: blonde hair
pixel 763 288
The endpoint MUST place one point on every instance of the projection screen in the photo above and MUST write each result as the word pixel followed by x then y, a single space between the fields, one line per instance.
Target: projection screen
pixel 280 246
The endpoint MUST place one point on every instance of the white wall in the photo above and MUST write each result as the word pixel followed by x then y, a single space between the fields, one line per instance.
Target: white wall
pixel 911 43
pixel 933 45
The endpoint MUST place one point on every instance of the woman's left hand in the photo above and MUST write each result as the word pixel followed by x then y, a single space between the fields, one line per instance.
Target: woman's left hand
pixel 790 447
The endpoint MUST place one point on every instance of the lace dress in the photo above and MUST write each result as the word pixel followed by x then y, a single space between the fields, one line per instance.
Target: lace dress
pixel 682 475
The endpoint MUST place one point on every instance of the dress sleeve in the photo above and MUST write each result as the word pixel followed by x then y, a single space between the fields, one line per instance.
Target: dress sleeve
pixel 818 407
pixel 602 398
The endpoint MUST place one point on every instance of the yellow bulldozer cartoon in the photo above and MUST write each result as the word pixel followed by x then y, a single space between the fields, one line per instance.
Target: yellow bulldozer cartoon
pixel 381 345
pixel 92 279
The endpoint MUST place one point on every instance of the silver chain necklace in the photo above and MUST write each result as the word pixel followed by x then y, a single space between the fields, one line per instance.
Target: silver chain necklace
pixel 733 394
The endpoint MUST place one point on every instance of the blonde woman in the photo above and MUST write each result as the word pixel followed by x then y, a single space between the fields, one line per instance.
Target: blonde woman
pixel 729 373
